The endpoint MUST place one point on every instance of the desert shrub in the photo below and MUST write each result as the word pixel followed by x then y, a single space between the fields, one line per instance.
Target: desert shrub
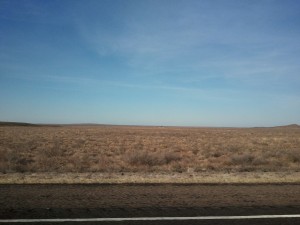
pixel 178 168
pixel 234 148
pixel 260 161
pixel 54 150
pixel 103 164
pixel 170 157
pixel 195 151
pixel 216 154
pixel 12 157
pixel 82 163
pixel 51 157
pixel 3 161
pixel 246 169
pixel 12 161
pixel 242 159
pixel 150 159
pixel 23 165
pixel 293 156
pixel 143 158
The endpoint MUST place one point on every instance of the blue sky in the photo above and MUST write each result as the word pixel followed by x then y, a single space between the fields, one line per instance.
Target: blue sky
pixel 156 62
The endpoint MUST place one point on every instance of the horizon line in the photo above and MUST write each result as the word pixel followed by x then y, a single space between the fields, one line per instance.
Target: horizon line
pixel 18 123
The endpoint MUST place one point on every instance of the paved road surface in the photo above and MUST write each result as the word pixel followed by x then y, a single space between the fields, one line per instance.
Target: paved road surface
pixel 111 201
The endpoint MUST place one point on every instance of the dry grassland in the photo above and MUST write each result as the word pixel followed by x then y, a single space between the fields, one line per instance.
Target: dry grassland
pixel 123 149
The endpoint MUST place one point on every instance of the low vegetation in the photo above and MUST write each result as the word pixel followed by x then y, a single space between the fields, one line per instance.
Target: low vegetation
pixel 67 149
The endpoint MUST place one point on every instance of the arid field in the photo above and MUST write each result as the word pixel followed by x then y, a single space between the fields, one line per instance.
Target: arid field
pixel 117 149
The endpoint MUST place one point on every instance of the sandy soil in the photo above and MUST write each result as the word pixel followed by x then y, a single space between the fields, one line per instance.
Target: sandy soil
pixel 116 178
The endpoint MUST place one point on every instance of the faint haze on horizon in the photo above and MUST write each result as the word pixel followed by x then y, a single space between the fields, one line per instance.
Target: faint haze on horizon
pixel 150 62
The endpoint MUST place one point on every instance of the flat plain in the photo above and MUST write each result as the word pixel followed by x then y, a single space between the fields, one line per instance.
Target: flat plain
pixel 176 152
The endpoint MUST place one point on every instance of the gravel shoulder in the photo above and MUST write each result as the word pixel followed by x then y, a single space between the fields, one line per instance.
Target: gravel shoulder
pixel 148 195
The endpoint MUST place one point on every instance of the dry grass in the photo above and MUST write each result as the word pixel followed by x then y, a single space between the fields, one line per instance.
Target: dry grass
pixel 73 149
pixel 210 177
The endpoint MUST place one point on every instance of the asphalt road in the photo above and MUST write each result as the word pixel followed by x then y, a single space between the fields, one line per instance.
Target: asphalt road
pixel 126 201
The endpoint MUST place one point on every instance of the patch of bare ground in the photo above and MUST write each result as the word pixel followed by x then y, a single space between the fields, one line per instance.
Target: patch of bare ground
pixel 70 150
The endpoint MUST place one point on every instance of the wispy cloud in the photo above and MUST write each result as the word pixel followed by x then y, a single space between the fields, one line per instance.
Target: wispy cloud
pixel 222 94
pixel 198 45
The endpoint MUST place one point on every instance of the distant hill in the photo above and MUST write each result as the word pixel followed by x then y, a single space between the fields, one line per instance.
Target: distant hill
pixel 6 124
pixel 18 124
pixel 289 126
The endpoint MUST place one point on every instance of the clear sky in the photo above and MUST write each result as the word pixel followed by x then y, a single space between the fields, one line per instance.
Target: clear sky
pixel 156 62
